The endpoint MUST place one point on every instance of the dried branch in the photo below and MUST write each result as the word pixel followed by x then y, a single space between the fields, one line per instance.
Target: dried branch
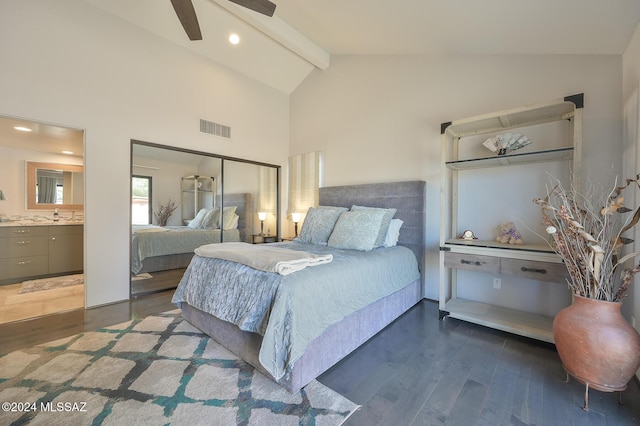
pixel 587 234
pixel 164 212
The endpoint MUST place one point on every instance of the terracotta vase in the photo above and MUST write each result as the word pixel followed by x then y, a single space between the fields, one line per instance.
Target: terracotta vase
pixel 597 346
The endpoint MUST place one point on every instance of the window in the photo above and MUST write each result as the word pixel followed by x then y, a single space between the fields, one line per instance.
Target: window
pixel 141 213
pixel 59 194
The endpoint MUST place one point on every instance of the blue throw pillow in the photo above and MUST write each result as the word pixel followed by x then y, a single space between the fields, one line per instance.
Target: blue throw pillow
pixel 318 224
pixel 357 230
pixel 384 226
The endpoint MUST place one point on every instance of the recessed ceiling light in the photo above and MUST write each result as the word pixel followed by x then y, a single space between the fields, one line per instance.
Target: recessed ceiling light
pixel 234 39
pixel 22 129
pixel 68 152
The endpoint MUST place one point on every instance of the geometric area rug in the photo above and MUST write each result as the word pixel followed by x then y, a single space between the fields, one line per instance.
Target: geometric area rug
pixel 159 370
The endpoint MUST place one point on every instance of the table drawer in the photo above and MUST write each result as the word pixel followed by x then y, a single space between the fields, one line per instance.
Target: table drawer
pixel 66 230
pixel 24 246
pixel 541 271
pixel 24 267
pixel 23 231
pixel 472 262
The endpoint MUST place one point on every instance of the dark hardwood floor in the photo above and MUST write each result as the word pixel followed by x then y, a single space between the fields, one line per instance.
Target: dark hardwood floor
pixel 418 371
pixel 163 280
pixel 421 371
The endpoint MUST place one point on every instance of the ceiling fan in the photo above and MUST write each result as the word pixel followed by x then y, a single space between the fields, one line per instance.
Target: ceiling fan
pixel 187 14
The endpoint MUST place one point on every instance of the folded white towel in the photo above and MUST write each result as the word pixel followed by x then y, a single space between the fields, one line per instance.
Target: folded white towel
pixel 264 257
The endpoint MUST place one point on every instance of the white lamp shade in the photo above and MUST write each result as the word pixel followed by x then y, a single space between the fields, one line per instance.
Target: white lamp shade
pixel 262 215
pixel 295 217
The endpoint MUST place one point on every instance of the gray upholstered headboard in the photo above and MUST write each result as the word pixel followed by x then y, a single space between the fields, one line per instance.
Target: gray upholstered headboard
pixel 407 197
pixel 243 210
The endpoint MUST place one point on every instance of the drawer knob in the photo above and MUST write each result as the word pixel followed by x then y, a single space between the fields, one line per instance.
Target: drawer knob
pixel 469 262
pixel 537 271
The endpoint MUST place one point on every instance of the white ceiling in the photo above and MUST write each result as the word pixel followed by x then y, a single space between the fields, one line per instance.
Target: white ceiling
pixel 281 51
pixel 303 34
pixel 465 26
pixel 257 56
pixel 43 137
pixel 142 153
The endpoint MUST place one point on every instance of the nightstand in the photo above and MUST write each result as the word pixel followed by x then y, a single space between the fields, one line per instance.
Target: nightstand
pixel 261 239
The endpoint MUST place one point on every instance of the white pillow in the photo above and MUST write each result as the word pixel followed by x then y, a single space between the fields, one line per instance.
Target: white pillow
pixel 208 220
pixel 234 222
pixel 393 233
pixel 196 222
pixel 228 214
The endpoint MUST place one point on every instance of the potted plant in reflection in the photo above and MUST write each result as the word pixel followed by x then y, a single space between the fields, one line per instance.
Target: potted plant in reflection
pixel 164 212
pixel 596 345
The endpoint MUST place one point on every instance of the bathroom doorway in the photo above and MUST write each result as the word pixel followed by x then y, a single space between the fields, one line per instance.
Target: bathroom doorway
pixel 41 238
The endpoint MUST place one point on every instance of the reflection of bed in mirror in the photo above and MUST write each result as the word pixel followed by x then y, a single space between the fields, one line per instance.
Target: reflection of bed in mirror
pixel 287 350
pixel 155 248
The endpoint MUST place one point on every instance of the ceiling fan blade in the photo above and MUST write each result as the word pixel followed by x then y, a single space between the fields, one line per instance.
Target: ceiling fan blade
pixel 187 16
pixel 261 6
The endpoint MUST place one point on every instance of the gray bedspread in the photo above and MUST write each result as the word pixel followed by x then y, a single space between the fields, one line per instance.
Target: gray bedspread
pixel 151 242
pixel 292 310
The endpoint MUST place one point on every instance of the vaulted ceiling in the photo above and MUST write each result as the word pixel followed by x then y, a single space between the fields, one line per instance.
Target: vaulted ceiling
pixel 464 26
pixel 303 34
pixel 282 50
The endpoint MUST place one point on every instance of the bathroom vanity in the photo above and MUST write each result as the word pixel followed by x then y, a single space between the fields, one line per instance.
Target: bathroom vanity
pixel 39 250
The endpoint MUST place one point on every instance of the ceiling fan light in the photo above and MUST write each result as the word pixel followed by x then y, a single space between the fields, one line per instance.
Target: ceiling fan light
pixel 234 39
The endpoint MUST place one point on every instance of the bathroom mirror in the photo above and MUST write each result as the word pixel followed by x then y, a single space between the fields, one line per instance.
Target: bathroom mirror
pixel 54 186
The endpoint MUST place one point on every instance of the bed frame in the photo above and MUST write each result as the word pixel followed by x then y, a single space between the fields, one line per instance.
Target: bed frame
pixel 181 260
pixel 341 338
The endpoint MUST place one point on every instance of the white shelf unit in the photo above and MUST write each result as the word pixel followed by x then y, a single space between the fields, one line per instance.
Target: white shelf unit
pixel 533 261
pixel 198 192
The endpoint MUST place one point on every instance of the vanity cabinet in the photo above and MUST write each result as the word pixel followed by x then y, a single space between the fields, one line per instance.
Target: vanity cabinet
pixel 65 249
pixel 473 181
pixel 24 252
pixel 34 251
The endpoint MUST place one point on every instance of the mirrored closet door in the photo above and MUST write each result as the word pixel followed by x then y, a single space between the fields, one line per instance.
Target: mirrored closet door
pixel 182 199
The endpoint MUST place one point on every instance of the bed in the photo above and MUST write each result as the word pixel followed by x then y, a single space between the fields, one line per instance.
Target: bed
pixel 292 348
pixel 155 248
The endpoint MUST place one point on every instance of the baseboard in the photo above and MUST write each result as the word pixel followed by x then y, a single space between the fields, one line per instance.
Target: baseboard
pixel 106 304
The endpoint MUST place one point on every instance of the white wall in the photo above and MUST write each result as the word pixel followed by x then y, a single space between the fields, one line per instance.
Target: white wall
pixel 68 63
pixel 377 118
pixel 631 142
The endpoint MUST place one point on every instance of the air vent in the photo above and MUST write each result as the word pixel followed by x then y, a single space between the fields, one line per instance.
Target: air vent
pixel 215 129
